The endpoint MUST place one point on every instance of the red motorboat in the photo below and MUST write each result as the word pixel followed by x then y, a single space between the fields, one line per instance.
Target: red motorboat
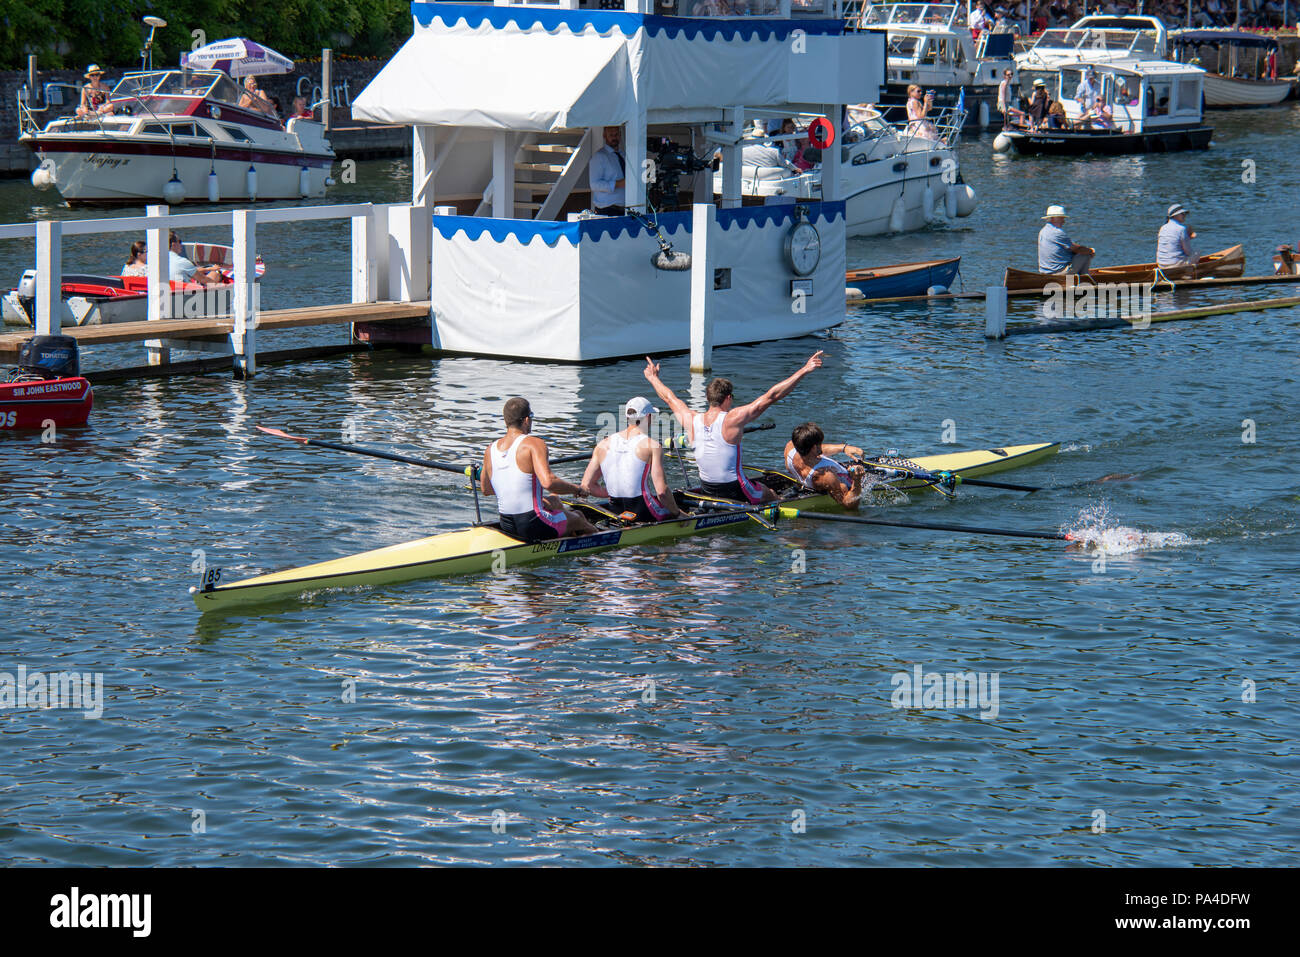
pixel 46 388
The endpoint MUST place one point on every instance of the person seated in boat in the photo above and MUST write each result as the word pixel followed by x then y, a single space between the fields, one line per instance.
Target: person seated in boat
pixel 94 95
pixel 607 174
pixel 716 433
pixel 1039 104
pixel 180 269
pixel 760 152
pixel 300 109
pixel 254 98
pixel 1057 254
pixel 918 112
pixel 517 470
pixel 1056 118
pixel 1174 241
pixel 135 259
pixel 979 20
pixel 628 468
pixel 808 460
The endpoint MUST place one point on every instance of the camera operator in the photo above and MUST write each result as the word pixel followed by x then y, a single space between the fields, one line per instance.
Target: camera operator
pixel 607 172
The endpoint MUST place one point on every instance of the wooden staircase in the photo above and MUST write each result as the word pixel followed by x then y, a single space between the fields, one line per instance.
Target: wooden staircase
pixel 547 168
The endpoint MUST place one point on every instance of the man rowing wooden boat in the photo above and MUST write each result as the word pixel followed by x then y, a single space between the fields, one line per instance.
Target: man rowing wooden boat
pixel 808 460
pixel 716 433
pixel 628 468
pixel 516 468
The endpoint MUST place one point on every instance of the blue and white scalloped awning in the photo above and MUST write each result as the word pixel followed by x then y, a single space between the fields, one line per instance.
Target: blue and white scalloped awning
pixel 503 80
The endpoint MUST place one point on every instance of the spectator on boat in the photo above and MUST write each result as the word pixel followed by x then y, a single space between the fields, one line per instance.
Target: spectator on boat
pixel 608 175
pixel 135 259
pixel 1057 254
pixel 1000 22
pixel 918 112
pixel 1056 118
pixel 300 110
pixel 1174 242
pixel 790 147
pixel 254 98
pixel 1087 90
pixel 1039 104
pixel 979 19
pixel 276 108
pixel 1006 95
pixel 94 95
pixel 180 269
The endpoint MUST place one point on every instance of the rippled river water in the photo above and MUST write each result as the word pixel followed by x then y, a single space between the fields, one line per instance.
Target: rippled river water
pixel 707 702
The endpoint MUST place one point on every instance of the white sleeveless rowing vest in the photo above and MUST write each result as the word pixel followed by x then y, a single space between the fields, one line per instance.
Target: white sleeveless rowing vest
pixel 717 460
pixel 840 471
pixel 517 491
pixel 626 476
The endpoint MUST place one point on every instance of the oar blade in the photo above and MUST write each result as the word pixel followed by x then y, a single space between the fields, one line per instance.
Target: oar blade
pixel 281 434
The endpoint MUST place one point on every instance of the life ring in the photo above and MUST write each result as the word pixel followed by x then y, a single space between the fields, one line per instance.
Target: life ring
pixel 820 133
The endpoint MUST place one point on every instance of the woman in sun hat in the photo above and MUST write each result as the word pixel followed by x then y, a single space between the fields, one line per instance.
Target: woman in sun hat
pixel 94 95
pixel 1056 252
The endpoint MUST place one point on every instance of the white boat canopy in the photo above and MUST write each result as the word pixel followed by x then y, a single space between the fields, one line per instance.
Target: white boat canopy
pixel 503 80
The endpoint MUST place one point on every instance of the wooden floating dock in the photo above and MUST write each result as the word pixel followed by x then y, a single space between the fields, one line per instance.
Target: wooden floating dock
pixel 1138 323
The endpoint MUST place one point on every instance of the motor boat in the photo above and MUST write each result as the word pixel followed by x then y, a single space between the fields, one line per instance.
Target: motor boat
pixel 929 45
pixel 1154 106
pixel 90 300
pixel 1245 67
pixel 1096 39
pixel 46 389
pixel 178 136
pixel 893 176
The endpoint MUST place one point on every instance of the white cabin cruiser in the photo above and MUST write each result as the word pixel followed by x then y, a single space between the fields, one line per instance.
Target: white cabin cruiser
pixel 1096 39
pixel 178 136
pixel 929 45
pixel 892 177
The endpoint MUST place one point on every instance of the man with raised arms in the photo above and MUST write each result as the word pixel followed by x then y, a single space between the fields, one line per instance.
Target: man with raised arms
pixel 716 434
pixel 628 468
pixel 516 469
pixel 808 460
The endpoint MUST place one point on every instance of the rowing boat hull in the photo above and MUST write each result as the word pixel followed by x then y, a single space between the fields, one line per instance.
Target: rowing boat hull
pixel 486 548
pixel 1226 262
pixel 905 279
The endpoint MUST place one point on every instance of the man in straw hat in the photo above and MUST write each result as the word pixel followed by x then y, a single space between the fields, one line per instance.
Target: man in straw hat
pixel 1056 252
pixel 1174 243
pixel 94 95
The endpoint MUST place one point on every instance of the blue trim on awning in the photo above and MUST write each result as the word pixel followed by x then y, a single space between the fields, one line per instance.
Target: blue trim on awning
pixel 605 21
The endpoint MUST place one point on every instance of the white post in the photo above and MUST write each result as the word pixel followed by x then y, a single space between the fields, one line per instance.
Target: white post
pixel 634 156
pixel 831 157
pixel 158 271
pixel 243 340
pixel 422 164
pixel 731 169
pixel 409 237
pixel 503 175
pixel 995 312
pixel 327 88
pixel 49 277
pixel 703 218
pixel 369 255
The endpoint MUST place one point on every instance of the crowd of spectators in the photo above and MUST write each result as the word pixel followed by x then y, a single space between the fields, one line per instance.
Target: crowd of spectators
pixel 1255 14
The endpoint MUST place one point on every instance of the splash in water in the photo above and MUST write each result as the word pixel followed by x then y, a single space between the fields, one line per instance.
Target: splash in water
pixel 1093 531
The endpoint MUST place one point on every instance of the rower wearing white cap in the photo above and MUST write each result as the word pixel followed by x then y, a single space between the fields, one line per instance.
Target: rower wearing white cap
pixel 715 434
pixel 1056 252
pixel 808 460
pixel 1174 243
pixel 517 469
pixel 628 468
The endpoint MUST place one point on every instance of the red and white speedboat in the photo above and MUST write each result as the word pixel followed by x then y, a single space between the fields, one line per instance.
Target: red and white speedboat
pixel 46 388
pixel 90 300
pixel 180 136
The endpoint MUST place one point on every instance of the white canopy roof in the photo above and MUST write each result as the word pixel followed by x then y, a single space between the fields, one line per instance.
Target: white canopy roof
pixel 503 80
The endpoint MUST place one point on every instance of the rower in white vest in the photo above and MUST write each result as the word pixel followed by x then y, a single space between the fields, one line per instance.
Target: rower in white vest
pixel 516 469
pixel 716 433
pixel 628 468
pixel 808 460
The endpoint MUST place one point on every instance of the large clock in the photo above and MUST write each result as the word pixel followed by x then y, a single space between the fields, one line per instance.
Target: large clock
pixel 803 246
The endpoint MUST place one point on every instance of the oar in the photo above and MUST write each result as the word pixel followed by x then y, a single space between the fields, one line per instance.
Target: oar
pixel 668 444
pixel 934 526
pixel 468 470
pixel 946 477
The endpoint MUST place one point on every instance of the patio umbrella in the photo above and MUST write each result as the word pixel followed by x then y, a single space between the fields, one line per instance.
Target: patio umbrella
pixel 238 57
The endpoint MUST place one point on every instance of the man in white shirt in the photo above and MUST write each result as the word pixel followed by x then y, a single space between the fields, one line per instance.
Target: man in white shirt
pixel 979 18
pixel 1086 92
pixel 608 174
pixel 1005 95
pixel 1174 242
pixel 180 269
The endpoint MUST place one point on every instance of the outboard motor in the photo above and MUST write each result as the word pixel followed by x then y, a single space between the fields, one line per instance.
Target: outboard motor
pixel 48 357
pixel 27 294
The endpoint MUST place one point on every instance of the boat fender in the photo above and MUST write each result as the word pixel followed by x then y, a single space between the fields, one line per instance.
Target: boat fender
pixel 896 216
pixel 927 203
pixel 950 201
pixel 250 182
pixel 937 291
pixel 214 188
pixel 852 293
pixel 1002 143
pixel 304 182
pixel 984 116
pixel 43 175
pixel 966 199
pixel 173 190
